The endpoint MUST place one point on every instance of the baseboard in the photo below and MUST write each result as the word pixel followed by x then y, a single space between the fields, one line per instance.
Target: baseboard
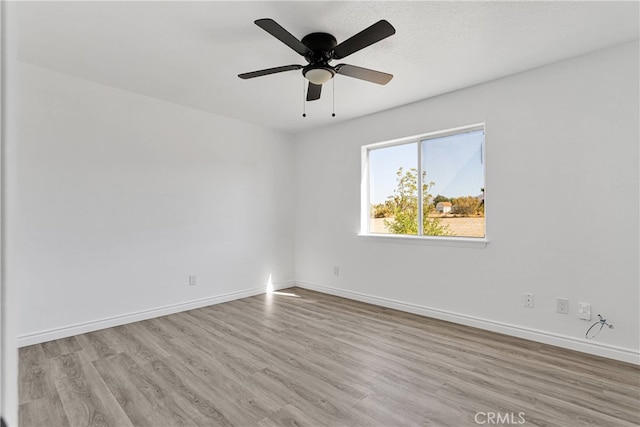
pixel 598 349
pixel 82 328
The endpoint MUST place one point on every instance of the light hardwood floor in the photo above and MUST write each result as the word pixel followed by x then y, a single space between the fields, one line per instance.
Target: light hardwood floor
pixel 299 357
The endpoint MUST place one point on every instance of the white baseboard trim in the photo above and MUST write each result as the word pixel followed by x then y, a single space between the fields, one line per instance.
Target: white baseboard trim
pixel 598 349
pixel 95 325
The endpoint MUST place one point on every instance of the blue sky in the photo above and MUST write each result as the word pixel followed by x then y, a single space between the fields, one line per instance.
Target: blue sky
pixel 454 163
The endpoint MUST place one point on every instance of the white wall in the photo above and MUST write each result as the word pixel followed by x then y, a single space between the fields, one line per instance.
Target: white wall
pixel 565 135
pixel 120 197
pixel 8 333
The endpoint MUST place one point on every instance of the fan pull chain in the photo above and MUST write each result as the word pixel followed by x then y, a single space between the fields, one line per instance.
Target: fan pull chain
pixel 304 104
pixel 333 87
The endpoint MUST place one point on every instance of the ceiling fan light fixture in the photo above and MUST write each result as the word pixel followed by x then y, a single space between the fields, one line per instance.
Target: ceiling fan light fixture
pixel 319 76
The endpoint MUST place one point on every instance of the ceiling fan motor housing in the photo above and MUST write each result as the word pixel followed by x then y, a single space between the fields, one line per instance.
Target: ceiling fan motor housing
pixel 321 45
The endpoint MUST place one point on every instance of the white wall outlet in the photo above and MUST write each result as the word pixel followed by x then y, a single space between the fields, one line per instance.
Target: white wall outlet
pixel 562 305
pixel 528 300
pixel 336 270
pixel 192 280
pixel 584 311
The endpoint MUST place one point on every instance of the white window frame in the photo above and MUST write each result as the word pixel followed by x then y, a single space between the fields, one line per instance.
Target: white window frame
pixel 365 234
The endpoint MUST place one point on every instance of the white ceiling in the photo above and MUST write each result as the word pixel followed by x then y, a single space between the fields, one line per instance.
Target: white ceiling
pixel 190 53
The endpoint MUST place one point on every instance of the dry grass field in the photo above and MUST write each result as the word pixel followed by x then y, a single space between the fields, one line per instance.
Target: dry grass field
pixel 462 226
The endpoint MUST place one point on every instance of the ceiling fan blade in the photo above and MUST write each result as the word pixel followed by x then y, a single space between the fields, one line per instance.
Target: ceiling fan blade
pixel 276 30
pixel 268 71
pixel 313 92
pixel 370 35
pixel 372 76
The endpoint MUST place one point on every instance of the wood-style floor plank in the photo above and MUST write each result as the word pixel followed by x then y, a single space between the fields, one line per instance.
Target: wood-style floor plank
pixel 44 412
pixel 60 347
pixel 86 399
pixel 301 358
pixel 139 395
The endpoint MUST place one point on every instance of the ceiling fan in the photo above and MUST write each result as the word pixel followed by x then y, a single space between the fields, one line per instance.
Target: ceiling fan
pixel 321 48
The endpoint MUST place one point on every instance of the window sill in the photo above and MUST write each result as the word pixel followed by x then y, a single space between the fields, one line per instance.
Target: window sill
pixel 459 242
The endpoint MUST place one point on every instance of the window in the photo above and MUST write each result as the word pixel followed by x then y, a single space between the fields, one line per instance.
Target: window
pixel 448 169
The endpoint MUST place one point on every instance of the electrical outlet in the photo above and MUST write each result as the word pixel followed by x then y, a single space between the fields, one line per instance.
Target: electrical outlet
pixel 336 270
pixel 192 280
pixel 584 311
pixel 562 305
pixel 528 300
